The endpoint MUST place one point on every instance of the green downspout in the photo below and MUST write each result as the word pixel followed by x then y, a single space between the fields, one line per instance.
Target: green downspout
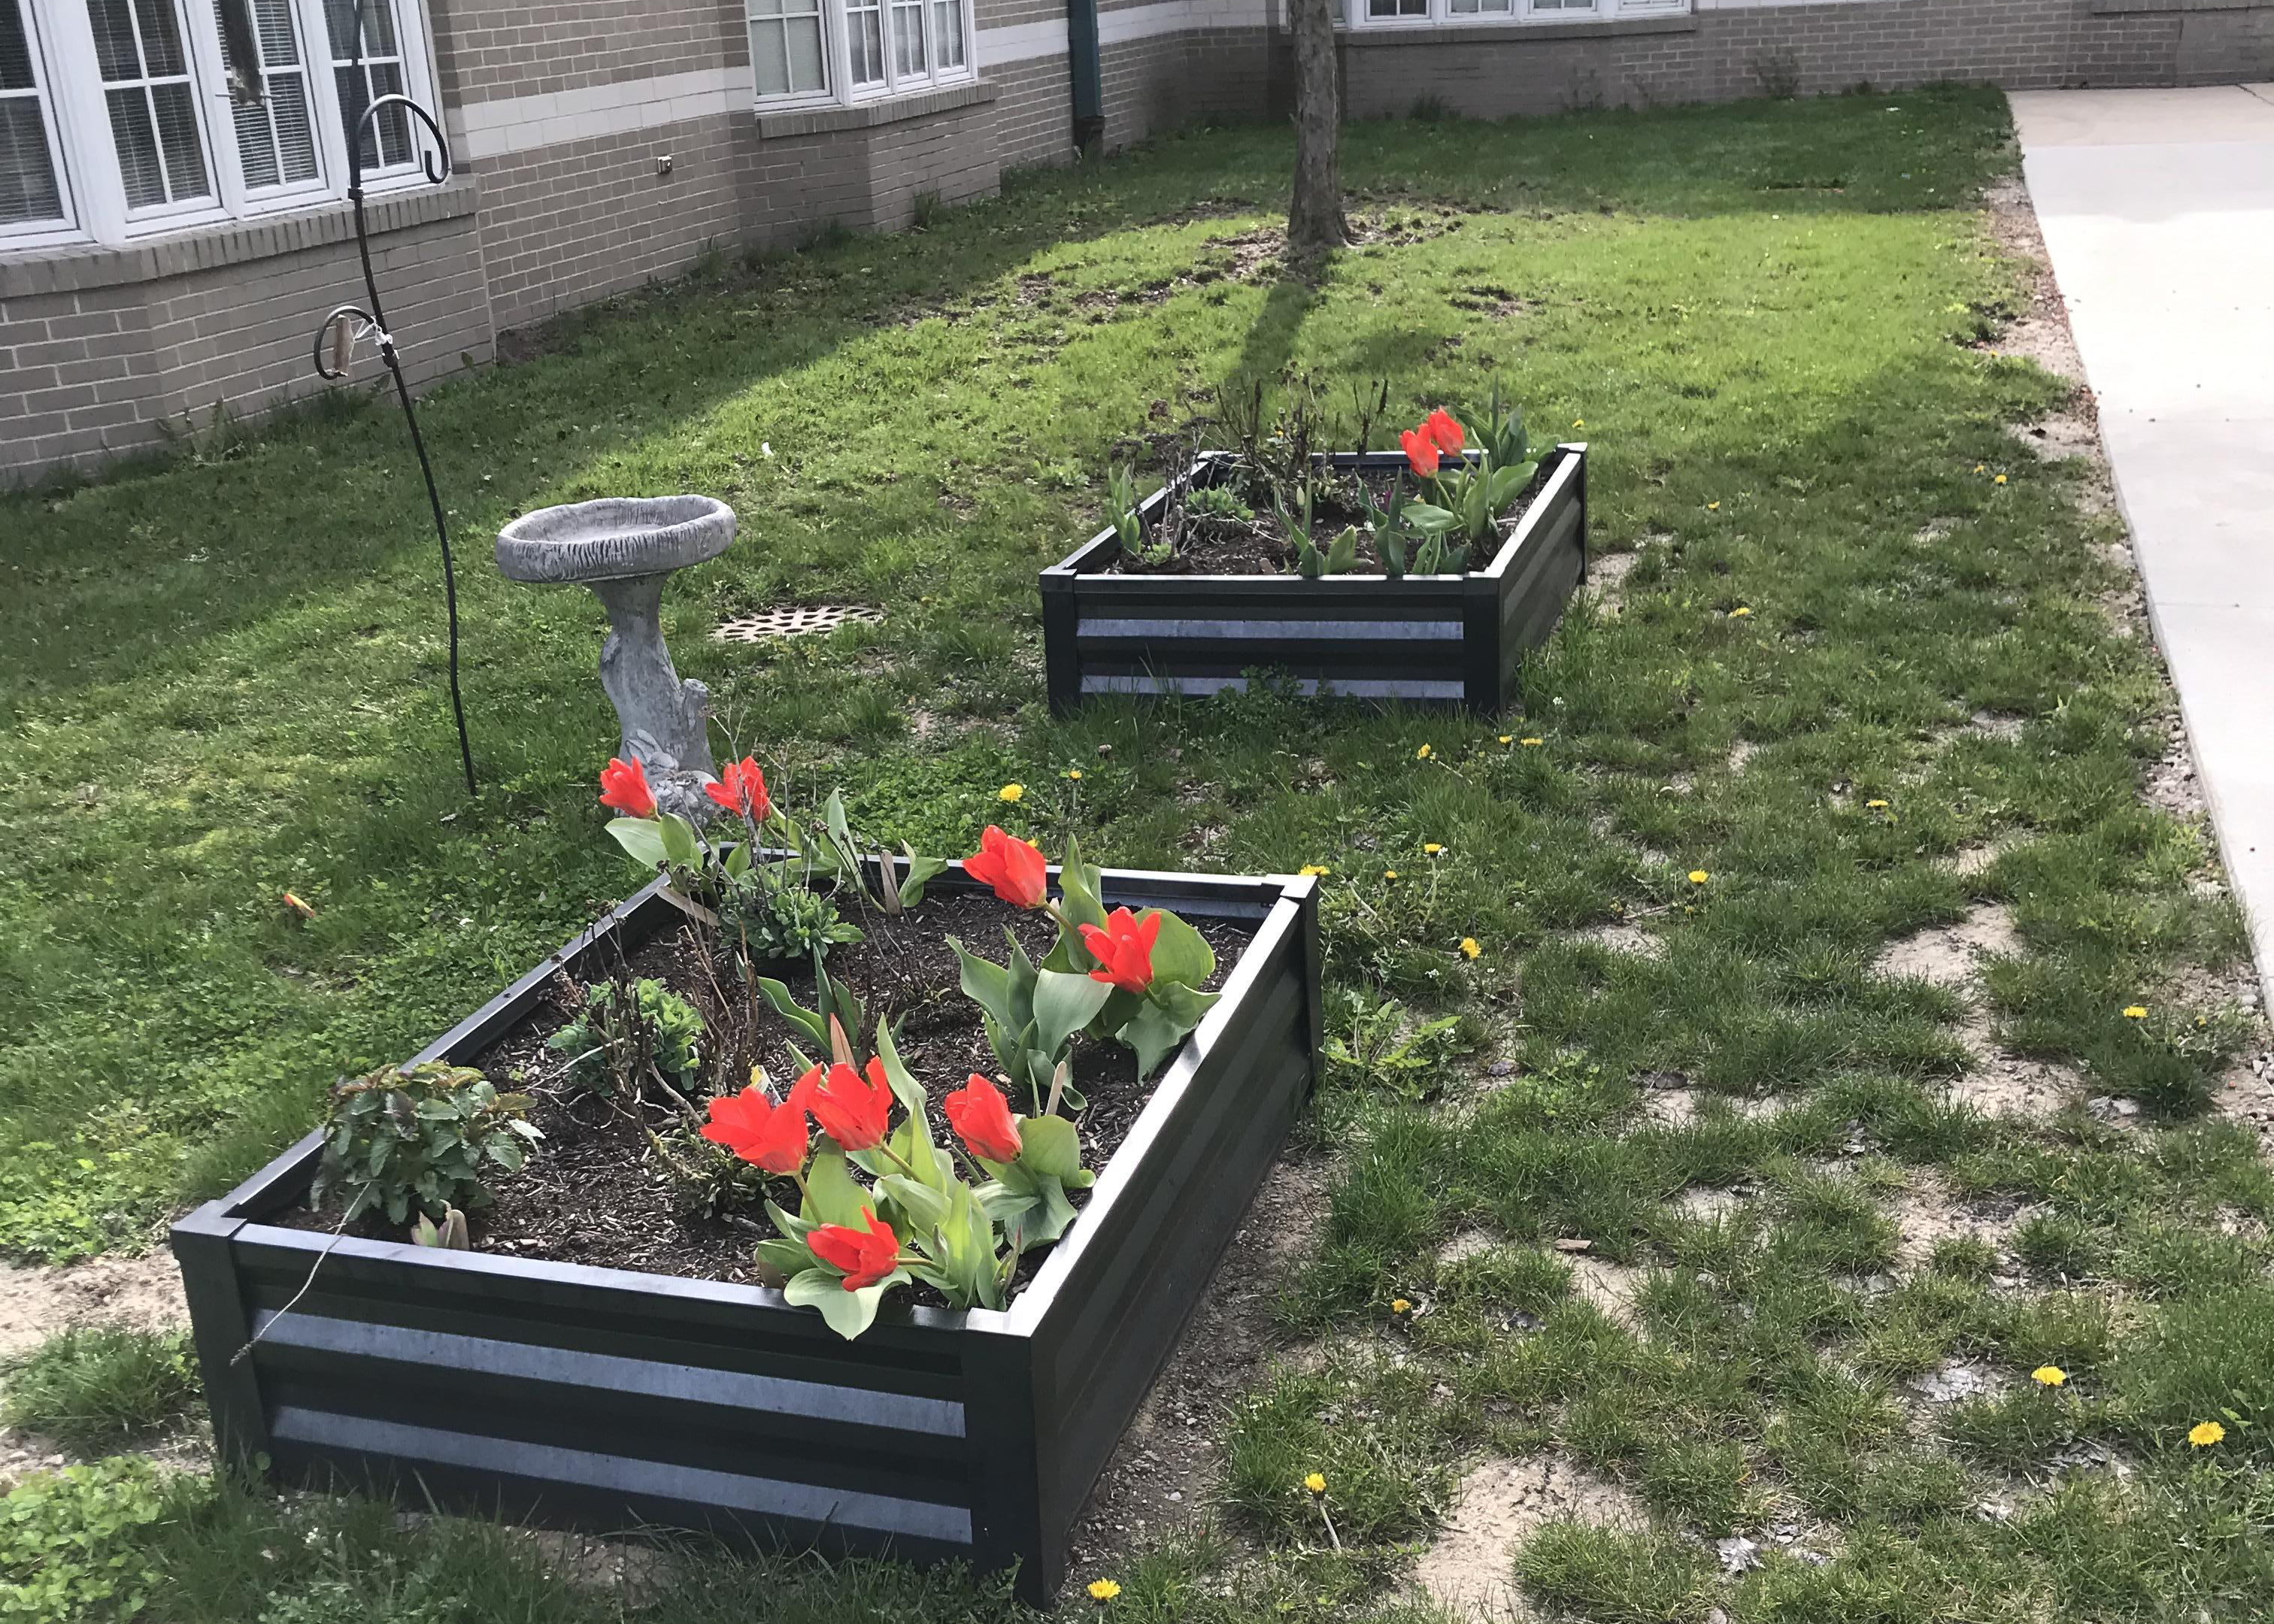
pixel 1089 79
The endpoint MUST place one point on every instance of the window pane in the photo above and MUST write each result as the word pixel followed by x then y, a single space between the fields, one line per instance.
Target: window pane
pixel 908 39
pixel 256 151
pixel 162 41
pixel 296 135
pixel 114 39
pixel 866 25
pixel 947 32
pixel 393 126
pixel 177 140
pixel 138 148
pixel 769 56
pixel 27 171
pixel 377 29
pixel 806 74
pixel 15 49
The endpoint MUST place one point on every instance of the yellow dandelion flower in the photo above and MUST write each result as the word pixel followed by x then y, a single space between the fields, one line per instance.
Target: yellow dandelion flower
pixel 1075 773
pixel 1011 792
pixel 1399 1306
pixel 1712 507
pixel 1316 1483
pixel 1390 874
pixel 1508 737
pixel 2135 1012
pixel 1469 947
pixel 1531 744
pixel 1578 423
pixel 1875 805
pixel 2203 1434
pixel 1424 753
pixel 2001 479
pixel 1104 1590
pixel 1698 877
pixel 1980 466
pixel 2049 1375
pixel 1313 871
pixel 1432 847
pixel 1739 613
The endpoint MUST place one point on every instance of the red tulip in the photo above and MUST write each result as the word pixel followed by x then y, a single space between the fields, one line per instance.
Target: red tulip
pixel 623 786
pixel 851 1109
pixel 1421 451
pixel 742 788
pixel 770 1136
pixel 981 1117
pixel 863 1256
pixel 1124 949
pixel 1013 866
pixel 1442 426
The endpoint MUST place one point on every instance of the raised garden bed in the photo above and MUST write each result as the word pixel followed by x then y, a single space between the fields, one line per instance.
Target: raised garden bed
pixel 1443 639
pixel 612 1399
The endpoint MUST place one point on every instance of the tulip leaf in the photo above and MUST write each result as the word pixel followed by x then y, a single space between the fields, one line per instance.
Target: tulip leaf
pixel 779 1262
pixel 985 983
pixel 1080 887
pixel 926 1208
pixel 833 1194
pixel 794 1228
pixel 679 845
pixel 1050 1146
pixel 737 860
pixel 642 838
pixel 1153 1032
pixel 849 1312
pixel 777 995
pixel 1181 953
pixel 922 872
pixel 1064 1004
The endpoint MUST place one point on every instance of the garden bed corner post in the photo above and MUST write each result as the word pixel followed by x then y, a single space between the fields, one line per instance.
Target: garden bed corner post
pixel 221 1329
pixel 1000 1436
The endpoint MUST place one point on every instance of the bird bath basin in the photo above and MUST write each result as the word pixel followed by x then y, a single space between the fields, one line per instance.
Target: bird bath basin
pixel 624 548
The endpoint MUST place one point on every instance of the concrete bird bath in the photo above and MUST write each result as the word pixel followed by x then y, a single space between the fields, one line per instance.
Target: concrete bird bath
pixel 624 548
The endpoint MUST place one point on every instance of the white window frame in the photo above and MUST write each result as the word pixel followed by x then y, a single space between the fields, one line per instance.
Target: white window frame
pixel 1440 14
pixel 837 57
pixel 62 42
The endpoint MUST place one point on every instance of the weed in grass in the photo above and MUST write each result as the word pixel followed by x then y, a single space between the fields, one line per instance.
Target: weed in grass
pixel 93 1389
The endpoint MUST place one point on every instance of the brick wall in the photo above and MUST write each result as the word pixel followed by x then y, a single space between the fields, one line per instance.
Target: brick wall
pixel 566 224
pixel 1729 51
pixel 486 51
pixel 98 347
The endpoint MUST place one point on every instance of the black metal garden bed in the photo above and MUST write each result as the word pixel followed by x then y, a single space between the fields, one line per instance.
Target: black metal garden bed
pixel 1428 639
pixel 610 1401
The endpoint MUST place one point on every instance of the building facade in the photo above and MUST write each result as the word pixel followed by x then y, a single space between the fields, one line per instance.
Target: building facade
pixel 173 172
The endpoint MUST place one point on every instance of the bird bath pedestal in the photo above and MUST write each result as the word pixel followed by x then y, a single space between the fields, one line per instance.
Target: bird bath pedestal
pixel 624 547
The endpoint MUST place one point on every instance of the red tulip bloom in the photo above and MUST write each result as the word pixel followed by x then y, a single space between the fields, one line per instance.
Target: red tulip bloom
pixel 1013 866
pixel 1421 452
pixel 623 786
pixel 981 1117
pixel 770 1136
pixel 851 1109
pixel 1124 949
pixel 1442 427
pixel 742 788
pixel 863 1256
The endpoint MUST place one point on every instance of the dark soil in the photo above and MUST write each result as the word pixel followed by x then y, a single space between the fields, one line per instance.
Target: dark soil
pixel 1209 544
pixel 596 1191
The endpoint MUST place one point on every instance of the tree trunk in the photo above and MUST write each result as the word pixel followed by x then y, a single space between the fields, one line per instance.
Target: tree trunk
pixel 1315 219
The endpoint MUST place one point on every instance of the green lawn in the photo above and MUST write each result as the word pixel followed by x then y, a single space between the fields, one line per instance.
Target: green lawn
pixel 223 679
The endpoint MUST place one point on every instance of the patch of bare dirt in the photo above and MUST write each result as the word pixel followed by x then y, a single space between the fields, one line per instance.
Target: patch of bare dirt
pixel 1950 955
pixel 1926 1213
pixel 142 1293
pixel 2040 332
pixel 1741 752
pixel 1973 862
pixel 1995 725
pixel 2058 438
pixel 1166 1470
pixel 1469 1570
pixel 1621 938
pixel 1706 1202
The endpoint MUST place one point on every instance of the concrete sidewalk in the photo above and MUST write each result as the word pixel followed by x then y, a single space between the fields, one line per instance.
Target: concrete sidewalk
pixel 2157 210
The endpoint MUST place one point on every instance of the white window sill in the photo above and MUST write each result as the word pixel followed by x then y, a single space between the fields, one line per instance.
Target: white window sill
pixel 1471 31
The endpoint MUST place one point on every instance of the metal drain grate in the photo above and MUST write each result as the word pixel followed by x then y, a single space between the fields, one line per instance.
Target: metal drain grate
pixel 797 621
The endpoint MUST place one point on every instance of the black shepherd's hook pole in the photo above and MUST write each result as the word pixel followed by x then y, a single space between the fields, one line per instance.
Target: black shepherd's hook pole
pixel 342 339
